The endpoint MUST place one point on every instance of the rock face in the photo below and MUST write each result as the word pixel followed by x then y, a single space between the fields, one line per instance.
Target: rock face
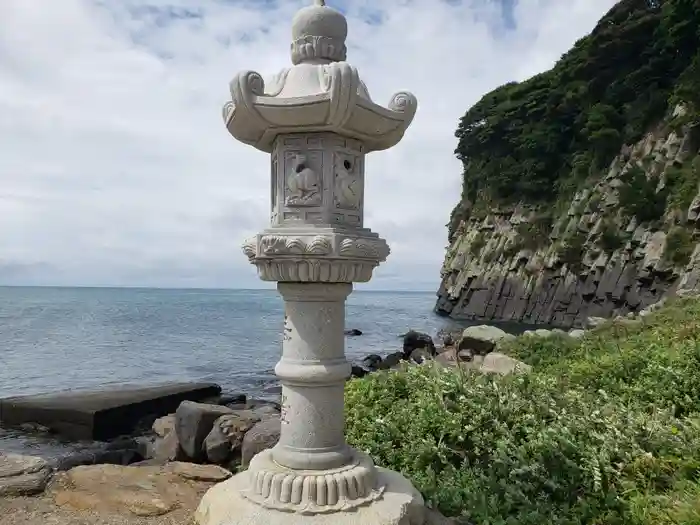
pixel 595 257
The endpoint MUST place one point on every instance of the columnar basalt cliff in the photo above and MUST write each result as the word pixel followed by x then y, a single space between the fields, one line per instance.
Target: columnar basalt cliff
pixel 581 188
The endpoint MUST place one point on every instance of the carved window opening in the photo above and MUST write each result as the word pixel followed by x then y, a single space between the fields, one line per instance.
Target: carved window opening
pixel 347 165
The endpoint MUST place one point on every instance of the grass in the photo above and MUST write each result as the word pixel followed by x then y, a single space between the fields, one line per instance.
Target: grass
pixel 604 431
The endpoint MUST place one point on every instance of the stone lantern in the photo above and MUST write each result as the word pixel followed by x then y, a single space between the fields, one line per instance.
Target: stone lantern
pixel 317 122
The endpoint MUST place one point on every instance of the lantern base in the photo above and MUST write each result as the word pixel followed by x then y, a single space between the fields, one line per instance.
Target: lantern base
pixel 399 504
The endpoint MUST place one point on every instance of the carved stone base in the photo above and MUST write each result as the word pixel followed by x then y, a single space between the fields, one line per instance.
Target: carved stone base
pixel 309 491
pixel 316 254
pixel 399 504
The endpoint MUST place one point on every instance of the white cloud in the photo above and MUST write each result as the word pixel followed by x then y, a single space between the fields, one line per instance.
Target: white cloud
pixel 116 168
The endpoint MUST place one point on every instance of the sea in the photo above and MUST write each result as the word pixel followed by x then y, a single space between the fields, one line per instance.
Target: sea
pixel 56 339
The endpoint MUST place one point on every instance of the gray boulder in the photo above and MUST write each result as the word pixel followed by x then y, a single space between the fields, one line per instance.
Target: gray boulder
pixel 391 361
pixel 168 449
pixel 226 436
pixel 498 363
pixel 577 333
pixel 193 422
pixel 482 339
pixel 413 340
pixel 264 434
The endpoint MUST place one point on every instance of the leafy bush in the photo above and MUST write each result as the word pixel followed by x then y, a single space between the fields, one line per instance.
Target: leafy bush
pixel 639 198
pixel 682 183
pixel 611 238
pixel 601 432
pixel 679 246
pixel 570 251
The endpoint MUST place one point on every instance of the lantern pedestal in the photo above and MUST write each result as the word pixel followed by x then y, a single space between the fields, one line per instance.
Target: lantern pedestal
pixel 317 122
pixel 399 504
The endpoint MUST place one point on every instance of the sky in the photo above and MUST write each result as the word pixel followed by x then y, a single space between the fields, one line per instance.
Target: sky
pixel 116 168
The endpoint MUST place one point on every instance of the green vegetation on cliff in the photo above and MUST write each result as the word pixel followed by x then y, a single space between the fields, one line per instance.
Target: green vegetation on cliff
pixel 539 139
pixel 605 430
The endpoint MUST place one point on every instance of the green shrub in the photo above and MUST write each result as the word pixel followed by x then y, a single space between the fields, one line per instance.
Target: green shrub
pixel 682 183
pixel 679 246
pixel 611 238
pixel 596 434
pixel 639 198
pixel 570 251
pixel 477 244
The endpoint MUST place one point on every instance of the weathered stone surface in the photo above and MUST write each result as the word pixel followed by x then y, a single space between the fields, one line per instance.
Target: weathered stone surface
pixel 168 448
pixel 263 435
pixel 193 422
pixel 142 491
pixel 22 475
pixel 482 339
pixel 210 473
pixel 226 435
pixel 92 457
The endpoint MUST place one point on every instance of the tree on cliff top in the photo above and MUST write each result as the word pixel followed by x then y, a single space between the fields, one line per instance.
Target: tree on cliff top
pixel 536 139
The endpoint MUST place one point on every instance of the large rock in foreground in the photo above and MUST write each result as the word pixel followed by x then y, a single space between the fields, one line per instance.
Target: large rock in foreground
pixel 22 475
pixel 102 414
pixel 140 491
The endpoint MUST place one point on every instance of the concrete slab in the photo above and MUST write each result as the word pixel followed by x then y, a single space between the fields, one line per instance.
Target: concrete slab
pixel 101 414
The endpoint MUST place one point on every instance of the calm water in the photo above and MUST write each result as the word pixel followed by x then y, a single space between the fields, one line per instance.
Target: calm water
pixel 66 338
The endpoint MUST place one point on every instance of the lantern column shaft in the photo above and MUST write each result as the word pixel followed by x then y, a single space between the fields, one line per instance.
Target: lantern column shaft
pixel 313 371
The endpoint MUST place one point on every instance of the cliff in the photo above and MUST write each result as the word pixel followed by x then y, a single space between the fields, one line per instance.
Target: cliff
pixel 581 191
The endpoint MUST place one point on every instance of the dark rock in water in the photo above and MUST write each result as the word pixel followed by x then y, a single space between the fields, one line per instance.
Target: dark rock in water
pixel 353 332
pixel 101 415
pixel 391 361
pixel 193 421
pixel 413 340
pixel 112 457
pixel 358 371
pixel 232 399
pixel 421 355
pixel 122 443
pixel 371 362
pixel 264 434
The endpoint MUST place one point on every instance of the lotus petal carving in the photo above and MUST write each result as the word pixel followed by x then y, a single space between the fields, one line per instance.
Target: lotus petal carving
pixel 319 246
pixel 250 247
pixel 295 246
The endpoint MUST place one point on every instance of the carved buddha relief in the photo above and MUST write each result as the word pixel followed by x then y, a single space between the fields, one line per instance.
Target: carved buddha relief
pixel 303 182
pixel 348 183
